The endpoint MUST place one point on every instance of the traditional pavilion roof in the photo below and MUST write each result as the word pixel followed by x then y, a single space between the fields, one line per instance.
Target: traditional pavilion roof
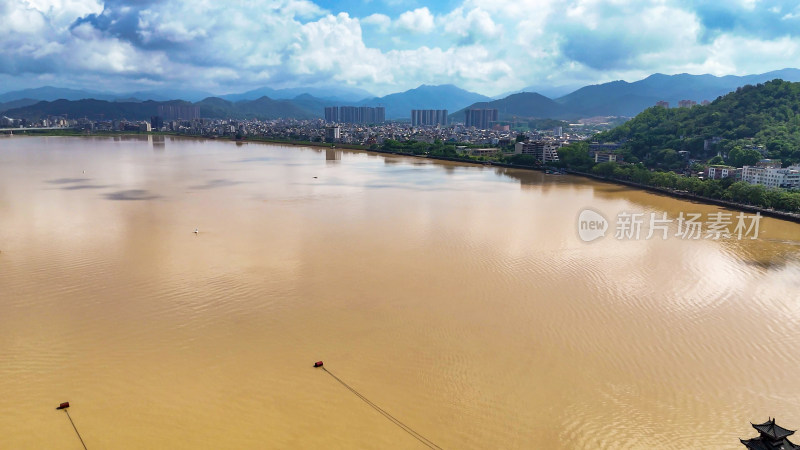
pixel 771 437
pixel 760 444
pixel 772 430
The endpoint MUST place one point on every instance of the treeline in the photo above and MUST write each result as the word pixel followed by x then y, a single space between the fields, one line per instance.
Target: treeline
pixel 437 148
pixel 448 150
pixel 766 114
pixel 576 157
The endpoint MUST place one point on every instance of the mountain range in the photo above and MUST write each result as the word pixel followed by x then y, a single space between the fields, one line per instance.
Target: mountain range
pixel 212 107
pixel 523 104
pixel 303 106
pixel 331 93
pixel 445 96
pixel 619 98
pixel 616 98
pixel 50 93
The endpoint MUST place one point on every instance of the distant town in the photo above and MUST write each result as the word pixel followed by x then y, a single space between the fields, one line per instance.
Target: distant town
pixel 479 134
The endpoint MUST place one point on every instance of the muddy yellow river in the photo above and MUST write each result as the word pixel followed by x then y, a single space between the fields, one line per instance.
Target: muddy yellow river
pixel 460 299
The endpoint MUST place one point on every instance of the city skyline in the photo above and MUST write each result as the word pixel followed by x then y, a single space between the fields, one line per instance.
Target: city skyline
pixel 385 46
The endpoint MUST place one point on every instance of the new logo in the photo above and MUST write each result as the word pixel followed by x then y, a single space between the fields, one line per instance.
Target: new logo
pixel 591 225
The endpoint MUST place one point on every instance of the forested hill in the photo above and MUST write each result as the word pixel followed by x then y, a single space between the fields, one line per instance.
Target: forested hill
pixel 765 114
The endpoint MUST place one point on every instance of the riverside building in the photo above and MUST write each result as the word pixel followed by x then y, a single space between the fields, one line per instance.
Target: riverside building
pixel 772 177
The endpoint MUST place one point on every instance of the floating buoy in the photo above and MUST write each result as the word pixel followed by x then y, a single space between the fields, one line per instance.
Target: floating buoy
pixel 316 364
pixel 64 406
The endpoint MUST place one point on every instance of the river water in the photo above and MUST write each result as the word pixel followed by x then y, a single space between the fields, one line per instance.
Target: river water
pixel 458 298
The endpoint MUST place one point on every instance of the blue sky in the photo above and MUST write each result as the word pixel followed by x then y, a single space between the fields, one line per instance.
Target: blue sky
pixel 384 46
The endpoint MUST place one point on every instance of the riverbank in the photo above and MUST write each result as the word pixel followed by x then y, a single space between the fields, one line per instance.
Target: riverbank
pixel 792 217
pixel 693 197
pixel 683 195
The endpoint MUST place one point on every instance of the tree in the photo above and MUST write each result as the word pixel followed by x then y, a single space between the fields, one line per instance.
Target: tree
pixel 738 157
pixel 575 156
pixel 524 160
pixel 639 174
pixel 605 169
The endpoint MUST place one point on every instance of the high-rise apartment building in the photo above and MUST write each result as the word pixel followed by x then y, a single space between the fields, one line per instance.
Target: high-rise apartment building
pixel 331 114
pixel 174 112
pixel 355 114
pixel 480 118
pixel 428 117
pixel 156 122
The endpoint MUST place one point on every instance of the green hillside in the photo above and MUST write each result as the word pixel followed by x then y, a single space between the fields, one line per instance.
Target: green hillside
pixel 765 115
pixel 753 120
pixel 17 104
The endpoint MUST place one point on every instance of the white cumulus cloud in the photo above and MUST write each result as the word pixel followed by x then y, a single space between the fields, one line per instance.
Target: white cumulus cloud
pixel 419 20
pixel 382 21
pixel 490 46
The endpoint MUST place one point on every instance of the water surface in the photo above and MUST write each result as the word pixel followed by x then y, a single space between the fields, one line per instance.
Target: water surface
pixel 458 298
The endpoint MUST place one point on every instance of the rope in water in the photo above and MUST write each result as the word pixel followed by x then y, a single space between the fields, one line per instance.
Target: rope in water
pixel 76 429
pixel 425 441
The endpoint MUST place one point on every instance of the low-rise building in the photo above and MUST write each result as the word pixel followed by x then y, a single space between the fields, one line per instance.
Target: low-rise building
pixel 544 151
pixel 719 172
pixel 595 147
pixel 771 177
pixel 601 157
pixel 484 151
pixel 770 163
